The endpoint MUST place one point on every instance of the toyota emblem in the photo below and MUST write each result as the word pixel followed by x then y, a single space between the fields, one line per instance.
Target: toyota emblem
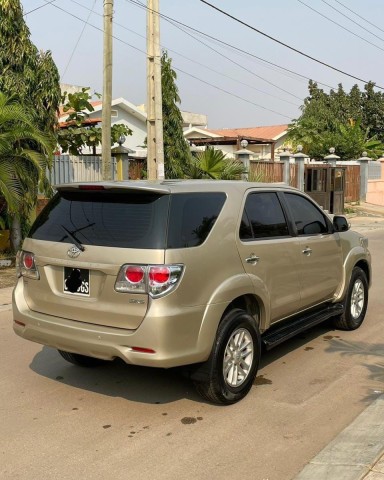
pixel 73 252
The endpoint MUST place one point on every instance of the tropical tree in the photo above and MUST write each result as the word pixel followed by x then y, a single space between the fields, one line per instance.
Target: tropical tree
pixel 351 122
pixel 213 164
pixel 77 134
pixel 24 70
pixel 22 168
pixel 176 149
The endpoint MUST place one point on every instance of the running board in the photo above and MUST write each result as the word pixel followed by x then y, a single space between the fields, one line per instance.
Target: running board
pixel 278 334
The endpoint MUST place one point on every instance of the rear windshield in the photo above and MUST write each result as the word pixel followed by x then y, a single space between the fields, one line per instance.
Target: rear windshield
pixel 129 219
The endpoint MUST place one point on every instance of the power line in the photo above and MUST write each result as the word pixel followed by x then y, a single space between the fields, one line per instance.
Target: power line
pixel 359 16
pixel 177 69
pixel 210 68
pixel 236 63
pixel 78 40
pixel 351 20
pixel 230 46
pixel 232 94
pixel 286 45
pixel 339 25
pixel 38 8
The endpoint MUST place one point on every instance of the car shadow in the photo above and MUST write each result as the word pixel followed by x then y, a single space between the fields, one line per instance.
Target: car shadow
pixel 117 379
pixel 144 384
pixel 297 342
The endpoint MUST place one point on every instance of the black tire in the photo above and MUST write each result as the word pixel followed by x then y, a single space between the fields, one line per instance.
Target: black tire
pixel 81 360
pixel 239 327
pixel 356 302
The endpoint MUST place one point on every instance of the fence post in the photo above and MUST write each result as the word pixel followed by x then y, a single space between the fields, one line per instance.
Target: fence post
pixel 363 176
pixel 285 157
pixel 244 156
pixel 299 159
pixel 332 158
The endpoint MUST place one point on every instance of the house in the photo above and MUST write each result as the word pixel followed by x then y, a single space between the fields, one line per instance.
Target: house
pixel 266 142
pixel 135 118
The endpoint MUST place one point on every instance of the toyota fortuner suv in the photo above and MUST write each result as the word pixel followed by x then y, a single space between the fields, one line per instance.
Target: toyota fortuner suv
pixel 201 274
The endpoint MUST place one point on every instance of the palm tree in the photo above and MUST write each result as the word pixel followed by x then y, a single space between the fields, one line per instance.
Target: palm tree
pixel 213 164
pixel 25 154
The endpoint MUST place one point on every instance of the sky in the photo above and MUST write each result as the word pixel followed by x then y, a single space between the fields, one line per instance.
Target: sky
pixel 230 82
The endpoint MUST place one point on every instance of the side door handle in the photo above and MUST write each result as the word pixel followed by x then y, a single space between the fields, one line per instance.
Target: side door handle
pixel 253 259
pixel 307 251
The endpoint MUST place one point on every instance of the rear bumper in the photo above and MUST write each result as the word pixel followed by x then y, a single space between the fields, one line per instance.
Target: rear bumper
pixel 175 338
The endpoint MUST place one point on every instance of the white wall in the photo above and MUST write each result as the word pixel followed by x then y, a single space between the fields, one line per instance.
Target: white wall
pixel 138 127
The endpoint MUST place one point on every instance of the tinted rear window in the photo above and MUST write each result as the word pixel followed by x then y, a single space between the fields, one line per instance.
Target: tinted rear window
pixel 130 220
pixel 192 217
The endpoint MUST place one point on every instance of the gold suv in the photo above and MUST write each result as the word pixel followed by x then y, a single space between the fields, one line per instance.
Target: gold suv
pixel 194 273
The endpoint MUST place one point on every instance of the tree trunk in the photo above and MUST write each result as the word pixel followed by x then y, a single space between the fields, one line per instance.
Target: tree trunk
pixel 15 233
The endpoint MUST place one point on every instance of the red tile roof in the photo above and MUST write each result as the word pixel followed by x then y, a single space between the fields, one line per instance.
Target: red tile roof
pixel 267 133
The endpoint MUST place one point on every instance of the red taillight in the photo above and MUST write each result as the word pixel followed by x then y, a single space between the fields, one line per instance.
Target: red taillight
pixel 28 261
pixel 91 187
pixel 159 275
pixel 155 280
pixel 134 274
pixel 143 350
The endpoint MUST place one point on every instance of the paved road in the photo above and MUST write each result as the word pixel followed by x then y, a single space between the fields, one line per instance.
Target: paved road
pixel 60 421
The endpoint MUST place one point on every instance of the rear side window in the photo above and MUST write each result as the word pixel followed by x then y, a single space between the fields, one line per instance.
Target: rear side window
pixel 192 216
pixel 263 217
pixel 127 220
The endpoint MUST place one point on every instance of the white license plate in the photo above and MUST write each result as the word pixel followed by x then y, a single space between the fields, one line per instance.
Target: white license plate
pixel 76 281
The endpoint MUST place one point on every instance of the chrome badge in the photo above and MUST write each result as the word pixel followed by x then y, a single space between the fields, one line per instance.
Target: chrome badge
pixel 73 252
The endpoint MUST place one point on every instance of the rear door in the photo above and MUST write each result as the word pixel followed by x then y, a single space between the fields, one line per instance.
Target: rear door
pixel 270 255
pixel 320 266
pixel 81 240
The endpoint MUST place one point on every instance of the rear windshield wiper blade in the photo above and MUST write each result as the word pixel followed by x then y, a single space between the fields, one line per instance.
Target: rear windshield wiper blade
pixel 73 238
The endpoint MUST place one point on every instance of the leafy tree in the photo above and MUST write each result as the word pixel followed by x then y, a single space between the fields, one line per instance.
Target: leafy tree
pixel 213 164
pixel 76 134
pixel 22 168
pixel 26 72
pixel 176 149
pixel 351 122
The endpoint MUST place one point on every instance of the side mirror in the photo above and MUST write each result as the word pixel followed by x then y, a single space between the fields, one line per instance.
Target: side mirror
pixel 340 224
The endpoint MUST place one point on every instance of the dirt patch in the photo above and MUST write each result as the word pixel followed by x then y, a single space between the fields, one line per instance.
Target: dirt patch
pixel 7 277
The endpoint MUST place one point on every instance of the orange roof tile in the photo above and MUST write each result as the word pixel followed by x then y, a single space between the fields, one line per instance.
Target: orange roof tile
pixel 267 133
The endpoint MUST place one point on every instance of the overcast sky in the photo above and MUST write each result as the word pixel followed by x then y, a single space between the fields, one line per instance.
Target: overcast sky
pixel 234 89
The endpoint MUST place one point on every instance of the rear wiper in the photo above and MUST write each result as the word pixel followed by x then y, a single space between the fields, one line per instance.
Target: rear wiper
pixel 73 238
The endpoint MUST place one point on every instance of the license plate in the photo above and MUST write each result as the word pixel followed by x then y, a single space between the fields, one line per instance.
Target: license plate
pixel 76 281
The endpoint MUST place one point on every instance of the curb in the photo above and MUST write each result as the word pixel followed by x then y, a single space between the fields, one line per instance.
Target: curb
pixel 354 452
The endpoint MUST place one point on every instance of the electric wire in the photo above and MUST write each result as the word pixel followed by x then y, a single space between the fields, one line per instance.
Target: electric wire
pixel 177 69
pixel 78 40
pixel 359 16
pixel 232 47
pixel 351 20
pixel 286 45
pixel 38 8
pixel 341 26
pixel 210 68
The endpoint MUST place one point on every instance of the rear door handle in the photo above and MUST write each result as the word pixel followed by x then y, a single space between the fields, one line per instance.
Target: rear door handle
pixel 307 251
pixel 253 259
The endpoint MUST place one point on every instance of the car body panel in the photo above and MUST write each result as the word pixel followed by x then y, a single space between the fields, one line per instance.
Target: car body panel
pixel 179 327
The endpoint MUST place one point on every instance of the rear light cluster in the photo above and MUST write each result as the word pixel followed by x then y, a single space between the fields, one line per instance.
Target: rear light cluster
pixel 26 266
pixel 156 280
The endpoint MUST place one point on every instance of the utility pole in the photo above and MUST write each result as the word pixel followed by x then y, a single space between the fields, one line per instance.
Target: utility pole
pixel 155 144
pixel 107 92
